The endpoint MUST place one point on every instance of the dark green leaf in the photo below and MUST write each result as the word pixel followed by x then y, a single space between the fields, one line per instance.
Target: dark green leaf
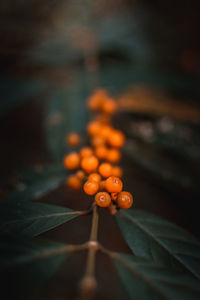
pixel 35 184
pixel 27 263
pixel 161 164
pixel 31 218
pixel 158 240
pixel 145 280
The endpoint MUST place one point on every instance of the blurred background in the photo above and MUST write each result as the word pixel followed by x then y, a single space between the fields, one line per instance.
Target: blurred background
pixel 146 54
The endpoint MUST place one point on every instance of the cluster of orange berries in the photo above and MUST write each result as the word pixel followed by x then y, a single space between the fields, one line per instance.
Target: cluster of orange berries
pixel 96 161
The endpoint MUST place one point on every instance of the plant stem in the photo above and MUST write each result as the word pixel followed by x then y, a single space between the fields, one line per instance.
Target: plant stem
pixel 88 283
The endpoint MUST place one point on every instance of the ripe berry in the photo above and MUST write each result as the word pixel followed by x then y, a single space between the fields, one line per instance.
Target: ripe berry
pixel 109 106
pixel 94 128
pixel 114 184
pixel 86 152
pixel 101 152
pixel 94 177
pixel 105 169
pixel 103 199
pixel 73 139
pixel 113 155
pixel 91 187
pixel 117 171
pixel 124 200
pixel 72 161
pixel 97 99
pixel 98 141
pixel 80 174
pixel 89 164
pixel 74 182
pixel 105 131
pixel 116 139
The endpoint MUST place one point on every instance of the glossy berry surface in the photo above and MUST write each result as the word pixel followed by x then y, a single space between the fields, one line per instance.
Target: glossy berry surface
pixel 124 200
pixel 103 199
pixel 94 177
pixel 91 187
pixel 114 184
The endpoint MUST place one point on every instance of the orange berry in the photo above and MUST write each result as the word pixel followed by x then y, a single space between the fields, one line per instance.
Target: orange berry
pixel 101 152
pixel 98 141
pixel 91 187
pixel 112 209
pixel 74 182
pixel 117 171
pixel 94 177
pixel 102 185
pixel 80 174
pixel 73 139
pixel 94 128
pixel 105 131
pixel 105 169
pixel 103 199
pixel 109 106
pixel 114 184
pixel 113 155
pixel 124 200
pixel 72 161
pixel 86 152
pixel 97 99
pixel 89 164
pixel 114 196
pixel 116 139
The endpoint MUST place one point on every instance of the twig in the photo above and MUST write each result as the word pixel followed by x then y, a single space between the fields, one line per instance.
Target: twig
pixel 88 283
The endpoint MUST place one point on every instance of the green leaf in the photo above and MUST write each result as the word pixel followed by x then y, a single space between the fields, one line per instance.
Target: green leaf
pixel 35 183
pixel 31 218
pixel 158 240
pixel 144 280
pixel 26 264
pixel 161 164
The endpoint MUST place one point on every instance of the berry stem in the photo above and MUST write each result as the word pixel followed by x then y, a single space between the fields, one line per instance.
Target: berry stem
pixel 88 283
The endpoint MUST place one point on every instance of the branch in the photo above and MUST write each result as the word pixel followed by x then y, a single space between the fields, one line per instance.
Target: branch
pixel 88 283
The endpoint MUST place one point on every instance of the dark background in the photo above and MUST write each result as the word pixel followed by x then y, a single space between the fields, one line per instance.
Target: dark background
pixel 40 50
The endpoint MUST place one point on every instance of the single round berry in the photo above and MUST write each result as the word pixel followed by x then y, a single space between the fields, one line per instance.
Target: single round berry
pixel 116 139
pixel 103 199
pixel 91 187
pixel 105 169
pixel 101 152
pixel 109 106
pixel 98 141
pixel 80 174
pixel 105 131
pixel 89 164
pixel 74 182
pixel 86 152
pixel 113 155
pixel 114 184
pixel 94 177
pixel 73 139
pixel 124 200
pixel 94 128
pixel 117 171
pixel 72 161
pixel 97 99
